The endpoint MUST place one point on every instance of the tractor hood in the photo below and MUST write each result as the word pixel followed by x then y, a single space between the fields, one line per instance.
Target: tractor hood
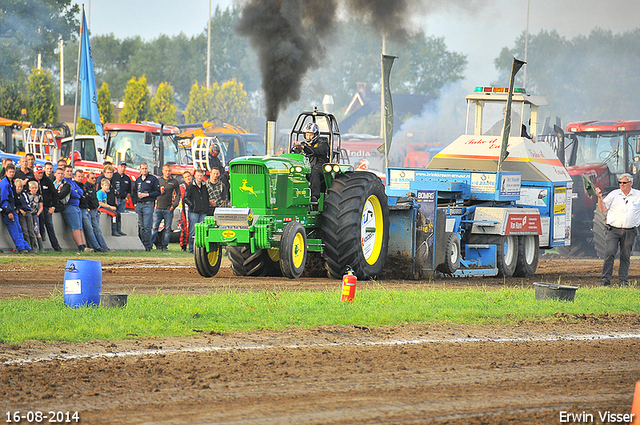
pixel 536 161
pixel 274 164
pixel 268 183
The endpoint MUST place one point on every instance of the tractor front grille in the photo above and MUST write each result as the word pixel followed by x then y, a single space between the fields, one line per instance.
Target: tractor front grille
pixel 247 169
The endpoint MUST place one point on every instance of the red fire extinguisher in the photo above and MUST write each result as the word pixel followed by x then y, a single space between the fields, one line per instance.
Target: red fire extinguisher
pixel 348 285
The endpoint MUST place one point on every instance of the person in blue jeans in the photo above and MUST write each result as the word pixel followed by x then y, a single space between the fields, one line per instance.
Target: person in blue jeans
pixel 72 213
pixel 8 201
pixel 92 225
pixel 196 197
pixel 165 204
pixel 145 191
pixel 87 230
pixel 122 191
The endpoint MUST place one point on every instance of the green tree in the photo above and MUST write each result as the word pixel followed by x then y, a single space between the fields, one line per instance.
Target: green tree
pixel 199 106
pixel 13 99
pixel 42 99
pixel 231 54
pixel 424 64
pixel 86 127
pixel 163 107
pixel 137 101
pixel 230 103
pixel 29 27
pixel 584 78
pixel 104 103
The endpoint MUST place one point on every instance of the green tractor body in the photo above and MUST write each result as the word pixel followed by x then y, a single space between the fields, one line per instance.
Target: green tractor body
pixel 273 222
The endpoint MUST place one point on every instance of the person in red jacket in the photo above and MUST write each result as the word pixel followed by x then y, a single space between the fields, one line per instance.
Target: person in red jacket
pixel 184 216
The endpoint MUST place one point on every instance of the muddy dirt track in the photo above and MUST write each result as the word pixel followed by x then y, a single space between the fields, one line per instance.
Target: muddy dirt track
pixel 440 374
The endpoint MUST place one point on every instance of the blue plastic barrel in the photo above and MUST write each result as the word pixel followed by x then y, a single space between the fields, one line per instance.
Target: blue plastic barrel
pixel 82 283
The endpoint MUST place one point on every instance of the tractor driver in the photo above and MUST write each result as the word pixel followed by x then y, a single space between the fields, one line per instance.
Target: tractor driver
pixel 315 148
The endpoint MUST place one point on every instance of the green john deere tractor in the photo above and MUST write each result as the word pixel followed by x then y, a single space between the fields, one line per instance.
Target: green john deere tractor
pixel 274 224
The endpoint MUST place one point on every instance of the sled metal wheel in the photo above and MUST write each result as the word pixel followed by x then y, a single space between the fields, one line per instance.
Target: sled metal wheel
pixel 451 254
pixel 507 255
pixel 528 252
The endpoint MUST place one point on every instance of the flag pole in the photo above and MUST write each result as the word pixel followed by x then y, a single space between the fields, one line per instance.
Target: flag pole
pixel 75 106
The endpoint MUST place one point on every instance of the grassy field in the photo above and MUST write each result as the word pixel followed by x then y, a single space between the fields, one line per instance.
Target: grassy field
pixel 164 315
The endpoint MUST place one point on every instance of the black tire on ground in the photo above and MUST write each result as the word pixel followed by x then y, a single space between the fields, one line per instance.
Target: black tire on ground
pixel 355 225
pixel 245 263
pixel 528 252
pixel 451 254
pixel 507 255
pixel 293 250
pixel 207 263
pixel 599 233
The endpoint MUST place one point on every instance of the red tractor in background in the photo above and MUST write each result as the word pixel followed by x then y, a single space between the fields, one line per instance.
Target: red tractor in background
pixel 595 153
pixel 135 143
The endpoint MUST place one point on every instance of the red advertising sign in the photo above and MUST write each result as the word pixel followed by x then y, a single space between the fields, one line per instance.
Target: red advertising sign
pixel 520 224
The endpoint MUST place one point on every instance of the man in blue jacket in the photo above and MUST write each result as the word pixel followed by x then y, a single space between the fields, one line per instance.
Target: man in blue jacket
pixel 8 201
pixel 72 213
pixel 145 191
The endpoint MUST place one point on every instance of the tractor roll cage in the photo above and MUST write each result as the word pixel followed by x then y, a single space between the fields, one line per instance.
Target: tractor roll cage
pixel 328 128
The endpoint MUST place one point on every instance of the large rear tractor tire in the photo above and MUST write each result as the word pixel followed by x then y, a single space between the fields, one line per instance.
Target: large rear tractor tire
pixel 355 225
pixel 207 263
pixel 599 233
pixel 293 250
pixel 528 252
pixel 507 255
pixel 245 263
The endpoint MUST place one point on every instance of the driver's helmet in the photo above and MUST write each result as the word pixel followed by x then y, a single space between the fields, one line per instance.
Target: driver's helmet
pixel 215 149
pixel 311 128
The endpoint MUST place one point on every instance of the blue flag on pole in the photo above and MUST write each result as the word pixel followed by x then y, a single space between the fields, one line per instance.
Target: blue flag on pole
pixel 88 95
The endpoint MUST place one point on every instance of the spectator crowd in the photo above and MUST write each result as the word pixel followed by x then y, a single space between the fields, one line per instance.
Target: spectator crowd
pixel 31 194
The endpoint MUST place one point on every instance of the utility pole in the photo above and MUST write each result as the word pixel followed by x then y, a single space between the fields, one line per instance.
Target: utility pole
pixel 209 47
pixel 526 49
pixel 384 52
pixel 61 72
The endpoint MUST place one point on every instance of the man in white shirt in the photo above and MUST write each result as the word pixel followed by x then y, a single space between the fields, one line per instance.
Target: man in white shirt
pixel 623 217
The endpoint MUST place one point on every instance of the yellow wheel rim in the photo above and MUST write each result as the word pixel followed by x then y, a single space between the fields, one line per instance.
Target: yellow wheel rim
pixel 274 254
pixel 297 252
pixel 370 239
pixel 213 257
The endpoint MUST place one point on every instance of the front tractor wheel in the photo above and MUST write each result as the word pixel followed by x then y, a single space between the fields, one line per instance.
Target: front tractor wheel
pixel 355 225
pixel 293 250
pixel 207 263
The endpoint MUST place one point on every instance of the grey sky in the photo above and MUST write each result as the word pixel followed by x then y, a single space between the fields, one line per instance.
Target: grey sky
pixel 479 33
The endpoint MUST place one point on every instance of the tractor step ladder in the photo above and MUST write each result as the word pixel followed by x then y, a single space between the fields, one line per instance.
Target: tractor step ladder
pixel 40 142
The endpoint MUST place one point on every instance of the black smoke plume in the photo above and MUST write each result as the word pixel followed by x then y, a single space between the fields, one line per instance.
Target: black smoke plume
pixel 288 35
